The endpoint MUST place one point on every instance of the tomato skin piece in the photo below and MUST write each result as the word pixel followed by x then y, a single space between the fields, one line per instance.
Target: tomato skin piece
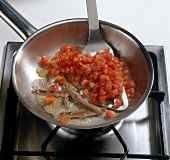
pixel 49 99
pixel 44 61
pixel 110 115
pixel 63 120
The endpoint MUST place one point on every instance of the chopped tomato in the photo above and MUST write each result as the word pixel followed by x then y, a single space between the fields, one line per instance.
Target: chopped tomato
pixel 113 93
pixel 129 84
pixel 102 91
pixel 91 85
pixel 108 88
pixel 72 70
pixel 76 83
pixel 126 72
pixel 44 61
pixel 93 98
pixel 102 75
pixel 85 93
pixel 63 63
pixel 63 120
pixel 117 103
pixel 49 99
pixel 95 75
pixel 96 88
pixel 104 78
pixel 102 100
pixel 86 69
pixel 110 115
pixel 51 72
pixel 68 47
pixel 52 63
pixel 130 92
pixel 54 87
pixel 60 79
pixel 84 83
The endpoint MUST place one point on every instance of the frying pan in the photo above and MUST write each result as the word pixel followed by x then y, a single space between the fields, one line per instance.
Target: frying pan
pixel 48 39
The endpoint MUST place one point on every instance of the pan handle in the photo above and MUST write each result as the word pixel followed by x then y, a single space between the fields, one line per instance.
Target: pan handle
pixel 23 28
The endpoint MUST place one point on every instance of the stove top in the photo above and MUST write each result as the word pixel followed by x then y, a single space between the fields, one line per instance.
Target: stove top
pixel 145 132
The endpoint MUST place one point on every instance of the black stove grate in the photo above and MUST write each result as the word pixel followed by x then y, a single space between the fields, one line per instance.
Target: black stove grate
pixel 8 153
pixel 53 133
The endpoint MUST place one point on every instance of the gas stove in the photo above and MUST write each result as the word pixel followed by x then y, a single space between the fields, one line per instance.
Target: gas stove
pixel 143 135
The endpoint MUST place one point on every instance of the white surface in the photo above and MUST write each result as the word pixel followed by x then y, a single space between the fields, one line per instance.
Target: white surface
pixel 148 20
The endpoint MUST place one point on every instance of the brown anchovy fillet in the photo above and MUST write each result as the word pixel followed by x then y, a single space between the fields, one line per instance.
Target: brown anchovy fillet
pixel 81 113
pixel 46 92
pixel 76 96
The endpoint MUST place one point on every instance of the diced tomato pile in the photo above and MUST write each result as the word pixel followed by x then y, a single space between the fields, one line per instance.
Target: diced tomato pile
pixel 101 76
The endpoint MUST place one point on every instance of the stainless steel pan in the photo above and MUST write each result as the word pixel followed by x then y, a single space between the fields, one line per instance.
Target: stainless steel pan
pixel 48 39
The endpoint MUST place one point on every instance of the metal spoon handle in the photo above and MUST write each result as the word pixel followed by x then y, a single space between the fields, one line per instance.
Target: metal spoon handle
pixel 92 14
pixel 95 37
pixel 16 20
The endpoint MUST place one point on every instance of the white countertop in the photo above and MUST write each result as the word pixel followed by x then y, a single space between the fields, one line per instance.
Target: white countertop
pixel 148 20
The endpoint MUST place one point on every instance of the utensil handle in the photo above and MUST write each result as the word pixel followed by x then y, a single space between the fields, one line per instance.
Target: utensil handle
pixel 92 14
pixel 16 20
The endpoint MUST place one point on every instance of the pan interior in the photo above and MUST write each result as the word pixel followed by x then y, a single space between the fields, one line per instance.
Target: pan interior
pixel 48 40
